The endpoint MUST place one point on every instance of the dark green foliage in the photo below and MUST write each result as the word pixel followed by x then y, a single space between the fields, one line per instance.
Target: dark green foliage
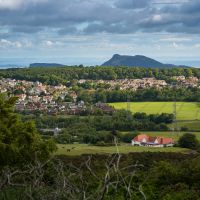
pixel 168 176
pixel 127 137
pixel 188 140
pixel 19 141
pixel 176 181
pixel 93 129
pixel 149 94
pixel 56 75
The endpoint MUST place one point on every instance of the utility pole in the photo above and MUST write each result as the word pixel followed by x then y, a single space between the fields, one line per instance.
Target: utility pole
pixel 129 117
pixel 128 103
pixel 175 126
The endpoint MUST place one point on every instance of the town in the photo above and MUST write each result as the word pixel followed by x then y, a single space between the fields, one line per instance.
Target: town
pixel 38 97
pixel 135 84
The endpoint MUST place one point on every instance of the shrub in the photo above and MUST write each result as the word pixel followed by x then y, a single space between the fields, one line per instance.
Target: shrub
pixel 188 140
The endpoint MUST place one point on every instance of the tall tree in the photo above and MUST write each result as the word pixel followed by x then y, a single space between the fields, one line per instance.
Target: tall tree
pixel 19 141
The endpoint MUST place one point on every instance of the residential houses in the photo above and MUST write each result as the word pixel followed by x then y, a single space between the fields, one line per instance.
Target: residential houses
pixel 33 96
pixel 132 84
pixel 187 81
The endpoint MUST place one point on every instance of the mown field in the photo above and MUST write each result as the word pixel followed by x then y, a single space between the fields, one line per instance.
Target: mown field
pixel 80 149
pixel 185 110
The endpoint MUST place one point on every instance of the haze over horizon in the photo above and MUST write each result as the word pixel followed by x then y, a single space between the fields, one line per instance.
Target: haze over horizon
pixel 89 32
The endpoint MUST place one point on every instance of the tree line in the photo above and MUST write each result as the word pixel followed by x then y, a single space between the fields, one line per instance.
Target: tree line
pixel 102 129
pixel 149 94
pixel 62 75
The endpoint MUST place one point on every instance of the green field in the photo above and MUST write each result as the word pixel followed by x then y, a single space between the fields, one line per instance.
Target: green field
pixel 185 110
pixel 193 125
pixel 80 149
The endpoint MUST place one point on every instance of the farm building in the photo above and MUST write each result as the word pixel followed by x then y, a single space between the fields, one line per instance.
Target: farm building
pixel 145 140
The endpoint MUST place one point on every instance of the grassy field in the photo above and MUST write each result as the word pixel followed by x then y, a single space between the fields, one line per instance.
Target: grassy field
pixel 185 110
pixel 80 149
pixel 191 125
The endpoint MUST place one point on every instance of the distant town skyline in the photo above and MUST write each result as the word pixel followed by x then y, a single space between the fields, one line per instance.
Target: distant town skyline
pixel 89 32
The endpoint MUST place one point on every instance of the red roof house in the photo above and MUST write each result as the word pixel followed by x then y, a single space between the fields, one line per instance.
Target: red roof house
pixel 145 140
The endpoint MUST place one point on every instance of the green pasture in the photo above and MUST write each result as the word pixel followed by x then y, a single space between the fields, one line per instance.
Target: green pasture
pixel 80 149
pixel 185 110
pixel 193 125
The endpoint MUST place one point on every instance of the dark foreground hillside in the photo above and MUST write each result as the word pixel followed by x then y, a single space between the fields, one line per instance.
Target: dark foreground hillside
pixel 133 176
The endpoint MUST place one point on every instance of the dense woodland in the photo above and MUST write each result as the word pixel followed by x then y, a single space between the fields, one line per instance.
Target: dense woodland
pixel 151 94
pixel 57 75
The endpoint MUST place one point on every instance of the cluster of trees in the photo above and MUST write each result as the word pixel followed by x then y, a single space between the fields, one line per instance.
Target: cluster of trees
pixel 119 120
pixel 95 129
pixel 57 75
pixel 151 94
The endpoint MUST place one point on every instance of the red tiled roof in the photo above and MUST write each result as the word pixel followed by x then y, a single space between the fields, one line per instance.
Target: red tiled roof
pixel 140 137
pixel 161 140
pixel 166 140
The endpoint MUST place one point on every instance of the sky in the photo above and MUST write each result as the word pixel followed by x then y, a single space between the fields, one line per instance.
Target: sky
pixel 89 32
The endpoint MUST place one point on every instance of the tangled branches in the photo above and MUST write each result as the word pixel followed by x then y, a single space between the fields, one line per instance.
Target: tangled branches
pixel 87 180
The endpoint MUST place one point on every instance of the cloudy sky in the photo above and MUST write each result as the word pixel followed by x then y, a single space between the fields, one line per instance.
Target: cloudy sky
pixel 91 31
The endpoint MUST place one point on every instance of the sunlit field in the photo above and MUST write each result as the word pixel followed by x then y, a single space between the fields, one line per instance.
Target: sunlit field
pixel 80 149
pixel 185 110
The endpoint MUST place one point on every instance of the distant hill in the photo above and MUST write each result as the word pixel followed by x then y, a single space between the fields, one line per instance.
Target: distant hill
pixel 136 61
pixel 46 65
pixel 10 66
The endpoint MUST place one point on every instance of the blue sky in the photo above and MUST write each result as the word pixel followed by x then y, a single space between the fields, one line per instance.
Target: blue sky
pixel 91 31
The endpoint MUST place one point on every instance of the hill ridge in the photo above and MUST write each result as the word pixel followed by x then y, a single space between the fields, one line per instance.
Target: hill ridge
pixel 137 61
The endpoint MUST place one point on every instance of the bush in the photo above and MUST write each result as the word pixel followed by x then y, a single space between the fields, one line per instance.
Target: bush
pixel 188 140
pixel 184 128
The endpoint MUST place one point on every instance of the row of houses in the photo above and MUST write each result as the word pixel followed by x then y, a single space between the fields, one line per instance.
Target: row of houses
pixel 191 81
pixel 51 108
pixel 132 84
pixel 30 88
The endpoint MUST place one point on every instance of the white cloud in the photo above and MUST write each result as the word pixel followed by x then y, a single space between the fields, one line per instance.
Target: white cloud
pixel 175 45
pixel 48 43
pixel 175 39
pixel 15 4
pixel 157 18
pixel 10 4
pixel 9 44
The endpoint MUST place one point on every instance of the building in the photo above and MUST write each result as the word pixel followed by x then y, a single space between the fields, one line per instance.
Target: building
pixel 145 140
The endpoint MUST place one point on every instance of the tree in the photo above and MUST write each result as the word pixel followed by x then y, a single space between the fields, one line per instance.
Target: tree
pixel 188 140
pixel 19 141
pixel 127 137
